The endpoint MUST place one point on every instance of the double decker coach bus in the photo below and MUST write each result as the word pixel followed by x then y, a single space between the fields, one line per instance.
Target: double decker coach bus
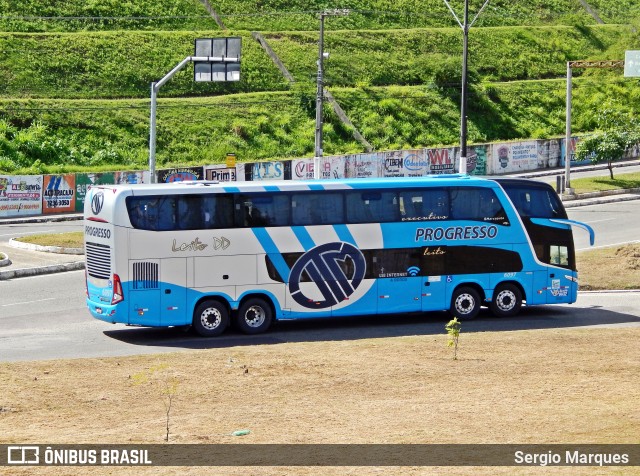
pixel 206 254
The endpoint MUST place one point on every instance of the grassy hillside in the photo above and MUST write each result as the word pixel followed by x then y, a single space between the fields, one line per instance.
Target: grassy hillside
pixel 384 14
pixel 58 135
pixel 75 77
pixel 76 15
pixel 122 64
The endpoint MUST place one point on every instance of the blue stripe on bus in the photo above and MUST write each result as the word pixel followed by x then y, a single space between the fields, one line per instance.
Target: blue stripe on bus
pixel 303 237
pixel 344 234
pixel 315 186
pixel 271 188
pixel 274 253
pixel 232 189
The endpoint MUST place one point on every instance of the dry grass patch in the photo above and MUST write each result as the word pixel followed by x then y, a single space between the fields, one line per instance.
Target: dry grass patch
pixel 610 268
pixel 72 239
pixel 542 386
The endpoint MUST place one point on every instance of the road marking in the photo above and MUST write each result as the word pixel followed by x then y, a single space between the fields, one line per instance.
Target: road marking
pixel 609 246
pixel 27 233
pixel 604 219
pixel 27 302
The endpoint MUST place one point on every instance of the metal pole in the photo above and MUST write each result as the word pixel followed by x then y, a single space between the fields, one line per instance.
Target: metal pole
pixel 319 97
pixel 463 99
pixel 152 135
pixel 567 142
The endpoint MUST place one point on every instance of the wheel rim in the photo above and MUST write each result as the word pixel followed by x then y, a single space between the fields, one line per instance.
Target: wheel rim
pixel 255 316
pixel 506 300
pixel 210 318
pixel 465 303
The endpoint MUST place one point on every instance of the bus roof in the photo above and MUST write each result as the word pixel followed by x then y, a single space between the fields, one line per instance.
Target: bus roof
pixel 298 185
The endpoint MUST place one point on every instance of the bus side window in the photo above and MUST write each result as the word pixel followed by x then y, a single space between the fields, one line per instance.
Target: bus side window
pixel 189 212
pixel 435 204
pixel 165 214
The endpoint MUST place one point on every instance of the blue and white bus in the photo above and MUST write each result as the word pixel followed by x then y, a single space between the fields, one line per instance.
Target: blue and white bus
pixel 207 254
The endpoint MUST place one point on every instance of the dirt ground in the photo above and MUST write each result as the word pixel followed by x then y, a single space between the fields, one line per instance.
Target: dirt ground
pixel 541 386
pixel 616 267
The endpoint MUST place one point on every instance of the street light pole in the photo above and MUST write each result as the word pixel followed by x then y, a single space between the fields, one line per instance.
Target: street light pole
pixel 319 98
pixel 462 168
pixel 320 88
pixel 465 25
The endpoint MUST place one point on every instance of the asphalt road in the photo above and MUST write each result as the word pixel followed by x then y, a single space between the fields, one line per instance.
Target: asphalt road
pixel 614 224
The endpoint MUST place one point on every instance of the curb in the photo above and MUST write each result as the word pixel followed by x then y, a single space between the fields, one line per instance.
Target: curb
pixel 5 261
pixel 49 249
pixel 56 268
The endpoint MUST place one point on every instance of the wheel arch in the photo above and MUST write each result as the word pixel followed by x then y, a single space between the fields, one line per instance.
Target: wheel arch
pixel 267 297
pixel 471 284
pixel 209 297
pixel 514 283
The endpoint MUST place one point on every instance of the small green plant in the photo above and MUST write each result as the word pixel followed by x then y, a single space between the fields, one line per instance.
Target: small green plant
pixel 168 384
pixel 453 330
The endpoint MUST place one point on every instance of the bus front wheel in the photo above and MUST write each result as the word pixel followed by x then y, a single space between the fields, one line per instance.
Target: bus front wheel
pixel 254 316
pixel 506 301
pixel 465 303
pixel 210 318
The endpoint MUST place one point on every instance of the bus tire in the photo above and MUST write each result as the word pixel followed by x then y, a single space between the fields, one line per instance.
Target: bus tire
pixel 465 303
pixel 254 316
pixel 211 318
pixel 507 299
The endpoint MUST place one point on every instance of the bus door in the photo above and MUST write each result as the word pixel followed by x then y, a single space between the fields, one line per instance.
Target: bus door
pixel 173 291
pixel 399 281
pixel 432 269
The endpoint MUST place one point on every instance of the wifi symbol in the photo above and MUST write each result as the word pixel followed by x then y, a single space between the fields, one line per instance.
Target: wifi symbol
pixel 413 271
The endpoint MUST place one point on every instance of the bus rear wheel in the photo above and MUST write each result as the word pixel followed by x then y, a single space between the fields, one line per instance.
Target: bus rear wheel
pixel 210 318
pixel 254 316
pixel 506 301
pixel 465 303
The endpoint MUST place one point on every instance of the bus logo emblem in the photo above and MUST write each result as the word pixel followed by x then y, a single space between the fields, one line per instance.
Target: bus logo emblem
pixel 336 269
pixel 96 203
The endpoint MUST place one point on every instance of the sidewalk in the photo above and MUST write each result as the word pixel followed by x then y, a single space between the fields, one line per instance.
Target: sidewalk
pixel 31 260
pixel 24 259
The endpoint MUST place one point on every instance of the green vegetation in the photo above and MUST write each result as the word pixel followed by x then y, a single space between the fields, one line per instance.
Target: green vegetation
pixel 601 184
pixel 73 239
pixel 75 78
pixel 74 15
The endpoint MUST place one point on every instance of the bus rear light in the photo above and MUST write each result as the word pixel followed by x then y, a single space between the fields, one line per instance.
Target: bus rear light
pixel 118 295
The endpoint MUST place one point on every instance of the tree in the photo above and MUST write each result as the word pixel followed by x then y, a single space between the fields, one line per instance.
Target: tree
pixel 615 135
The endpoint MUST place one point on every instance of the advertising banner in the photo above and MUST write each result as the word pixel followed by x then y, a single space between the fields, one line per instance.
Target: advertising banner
pixel 333 167
pixel 515 157
pixel 20 195
pixel 477 160
pixel 441 161
pixel 268 170
pixel 362 165
pixel 84 180
pixel 180 174
pixel 548 153
pixel 220 173
pixel 59 193
pixel 572 152
pixel 132 177
pixel 404 163
pixel 302 169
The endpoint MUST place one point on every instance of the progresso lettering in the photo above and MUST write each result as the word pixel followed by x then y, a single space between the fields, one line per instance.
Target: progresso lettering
pixel 457 233
pixel 97 232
